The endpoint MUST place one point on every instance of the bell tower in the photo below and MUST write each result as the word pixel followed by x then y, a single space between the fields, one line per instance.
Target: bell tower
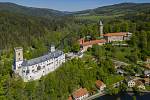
pixel 101 29
pixel 18 58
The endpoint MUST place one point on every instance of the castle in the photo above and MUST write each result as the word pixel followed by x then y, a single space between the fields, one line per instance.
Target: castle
pixel 104 38
pixel 36 68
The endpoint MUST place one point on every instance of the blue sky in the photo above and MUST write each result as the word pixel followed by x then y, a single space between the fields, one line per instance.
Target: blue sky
pixel 70 5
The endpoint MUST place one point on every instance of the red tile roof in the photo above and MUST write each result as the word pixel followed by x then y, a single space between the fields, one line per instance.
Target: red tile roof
pixel 80 92
pixel 92 42
pixel 138 83
pixel 147 80
pixel 116 34
pixel 70 98
pixel 99 83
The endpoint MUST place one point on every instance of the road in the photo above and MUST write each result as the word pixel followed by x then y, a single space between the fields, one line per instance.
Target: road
pixel 95 96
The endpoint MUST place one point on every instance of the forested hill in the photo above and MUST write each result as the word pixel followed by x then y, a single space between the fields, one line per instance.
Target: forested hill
pixel 118 9
pixel 42 12
pixel 17 29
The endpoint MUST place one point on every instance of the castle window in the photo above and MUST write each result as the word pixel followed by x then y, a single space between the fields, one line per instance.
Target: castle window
pixel 49 63
pixel 27 71
pixel 33 70
pixel 39 68
pixel 19 54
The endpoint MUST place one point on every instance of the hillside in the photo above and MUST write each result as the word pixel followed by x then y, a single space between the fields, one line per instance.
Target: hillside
pixel 17 29
pixel 117 9
pixel 30 29
pixel 42 12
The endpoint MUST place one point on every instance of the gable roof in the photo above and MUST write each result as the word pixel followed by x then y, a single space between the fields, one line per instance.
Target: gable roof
pixel 43 58
pixel 116 34
pixel 99 83
pixel 92 42
pixel 80 92
pixel 70 98
pixel 138 83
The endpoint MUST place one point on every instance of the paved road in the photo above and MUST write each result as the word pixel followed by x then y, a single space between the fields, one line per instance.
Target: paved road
pixel 95 96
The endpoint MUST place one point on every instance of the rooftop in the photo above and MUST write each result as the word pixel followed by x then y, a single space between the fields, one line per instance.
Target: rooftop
pixel 138 83
pixel 99 83
pixel 116 34
pixel 80 92
pixel 146 79
pixel 147 72
pixel 70 98
pixel 92 42
pixel 43 58
pixel 18 48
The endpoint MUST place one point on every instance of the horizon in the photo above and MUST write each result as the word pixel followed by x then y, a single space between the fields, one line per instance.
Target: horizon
pixel 72 6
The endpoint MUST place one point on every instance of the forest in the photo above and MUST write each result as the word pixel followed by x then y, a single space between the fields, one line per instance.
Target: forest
pixel 36 34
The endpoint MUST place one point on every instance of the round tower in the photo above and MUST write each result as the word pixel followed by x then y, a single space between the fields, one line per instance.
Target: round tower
pixel 101 29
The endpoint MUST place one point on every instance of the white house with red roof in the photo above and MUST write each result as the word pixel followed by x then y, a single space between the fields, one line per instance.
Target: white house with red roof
pixel 80 94
pixel 100 85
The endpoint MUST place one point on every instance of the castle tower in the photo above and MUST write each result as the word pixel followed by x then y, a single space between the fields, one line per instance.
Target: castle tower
pixel 18 59
pixel 52 48
pixel 101 29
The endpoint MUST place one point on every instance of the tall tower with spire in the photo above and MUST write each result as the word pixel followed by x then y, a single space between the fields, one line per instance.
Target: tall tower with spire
pixel 101 29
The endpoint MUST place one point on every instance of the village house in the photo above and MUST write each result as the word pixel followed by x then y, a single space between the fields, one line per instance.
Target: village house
pixel 70 98
pixel 139 84
pixel 147 73
pixel 121 72
pixel 119 64
pixel 148 59
pixel 80 94
pixel 147 81
pixel 131 83
pixel 147 65
pixel 100 85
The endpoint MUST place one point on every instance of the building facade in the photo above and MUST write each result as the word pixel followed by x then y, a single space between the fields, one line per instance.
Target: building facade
pixel 131 83
pixel 120 36
pixel 36 68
